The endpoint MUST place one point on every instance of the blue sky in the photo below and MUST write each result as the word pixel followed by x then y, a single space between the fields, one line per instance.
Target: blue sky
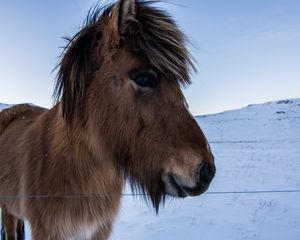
pixel 246 51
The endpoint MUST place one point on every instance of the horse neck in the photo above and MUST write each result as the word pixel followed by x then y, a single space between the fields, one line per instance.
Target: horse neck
pixel 81 154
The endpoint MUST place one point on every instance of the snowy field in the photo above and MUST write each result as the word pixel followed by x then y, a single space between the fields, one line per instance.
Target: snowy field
pixel 256 148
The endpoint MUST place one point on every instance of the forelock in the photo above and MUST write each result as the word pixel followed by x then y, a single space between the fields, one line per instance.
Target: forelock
pixel 155 36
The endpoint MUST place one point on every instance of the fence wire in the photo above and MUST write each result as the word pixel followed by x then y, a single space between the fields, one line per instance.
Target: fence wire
pixel 93 195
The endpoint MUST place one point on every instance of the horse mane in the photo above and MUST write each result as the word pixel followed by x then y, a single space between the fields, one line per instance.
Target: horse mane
pixel 153 34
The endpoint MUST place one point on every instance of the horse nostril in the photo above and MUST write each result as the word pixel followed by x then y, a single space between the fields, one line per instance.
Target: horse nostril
pixel 206 172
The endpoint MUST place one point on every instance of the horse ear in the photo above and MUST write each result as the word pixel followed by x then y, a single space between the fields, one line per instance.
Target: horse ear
pixel 127 13
pixel 122 14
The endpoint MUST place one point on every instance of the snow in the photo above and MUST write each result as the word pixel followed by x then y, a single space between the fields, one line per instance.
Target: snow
pixel 255 148
pixel 271 121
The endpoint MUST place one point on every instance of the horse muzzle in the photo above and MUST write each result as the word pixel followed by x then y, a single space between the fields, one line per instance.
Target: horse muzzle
pixel 179 186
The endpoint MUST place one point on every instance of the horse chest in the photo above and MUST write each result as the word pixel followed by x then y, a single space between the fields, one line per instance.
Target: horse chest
pixel 85 231
pixel 91 218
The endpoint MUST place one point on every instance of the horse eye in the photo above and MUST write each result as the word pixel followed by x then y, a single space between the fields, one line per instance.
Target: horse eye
pixel 146 79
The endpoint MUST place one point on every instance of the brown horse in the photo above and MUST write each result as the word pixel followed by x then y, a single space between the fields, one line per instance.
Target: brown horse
pixel 120 114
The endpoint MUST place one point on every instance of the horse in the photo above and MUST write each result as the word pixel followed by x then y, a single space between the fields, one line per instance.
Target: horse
pixel 119 115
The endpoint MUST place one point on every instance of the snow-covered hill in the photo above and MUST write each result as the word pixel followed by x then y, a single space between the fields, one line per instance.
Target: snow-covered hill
pixel 3 106
pixel 275 121
pixel 255 148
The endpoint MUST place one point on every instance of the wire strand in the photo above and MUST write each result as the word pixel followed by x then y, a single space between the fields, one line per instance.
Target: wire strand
pixel 92 195
pixel 254 192
pixel 258 141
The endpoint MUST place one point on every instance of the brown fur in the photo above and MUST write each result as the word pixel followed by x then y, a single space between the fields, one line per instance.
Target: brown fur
pixel 104 128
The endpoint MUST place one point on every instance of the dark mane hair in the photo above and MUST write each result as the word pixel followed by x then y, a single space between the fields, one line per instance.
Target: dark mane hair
pixel 153 34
